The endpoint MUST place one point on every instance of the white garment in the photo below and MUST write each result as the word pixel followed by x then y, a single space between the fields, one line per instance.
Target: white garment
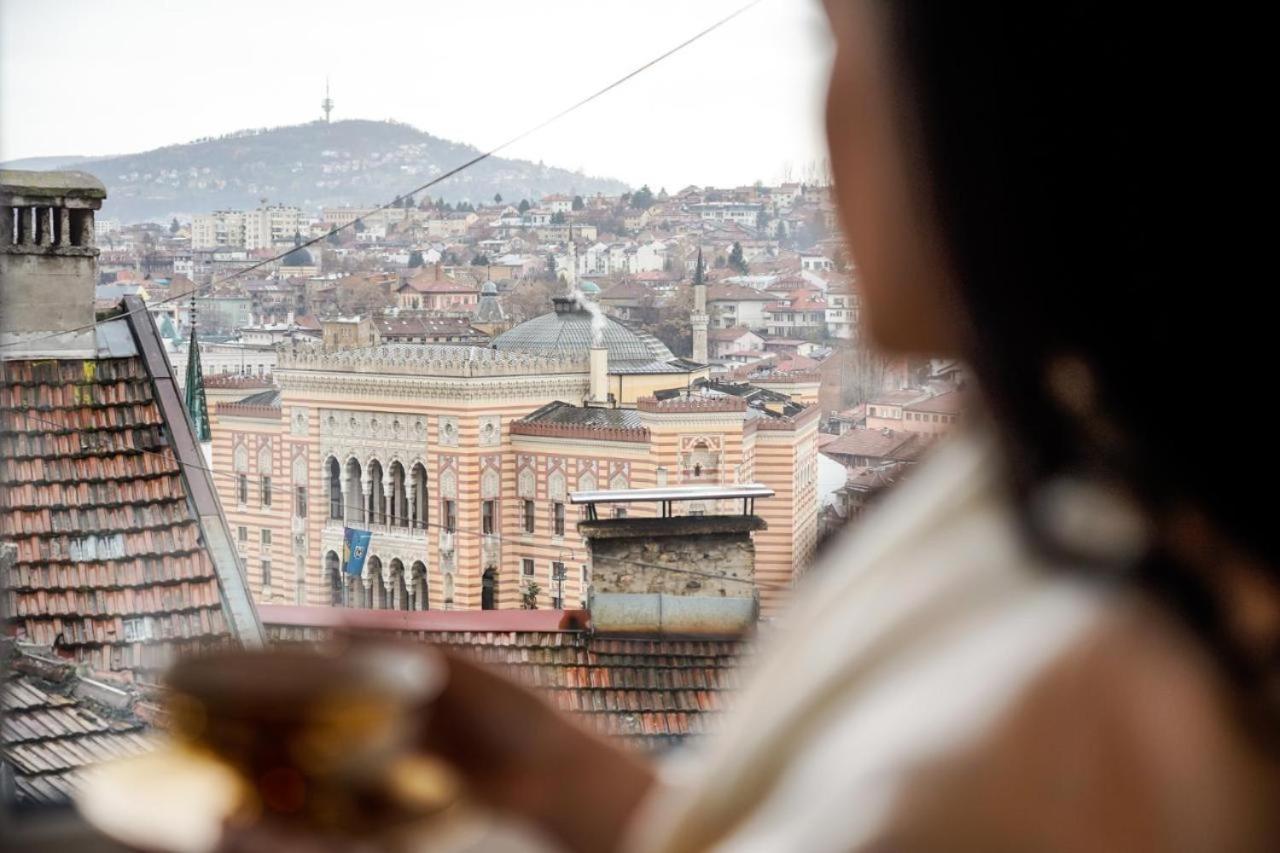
pixel 914 636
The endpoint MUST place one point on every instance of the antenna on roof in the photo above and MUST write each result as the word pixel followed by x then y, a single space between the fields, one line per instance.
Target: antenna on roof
pixel 327 103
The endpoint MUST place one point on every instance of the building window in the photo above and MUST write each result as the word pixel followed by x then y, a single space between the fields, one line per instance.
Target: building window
pixel 242 533
pixel 557 526
pixel 266 490
pixel 528 517
pixel 242 489
pixel 266 573
pixel 300 501
pixel 619 512
pixel 557 585
pixel 450 516
pixel 526 568
pixel 486 518
pixel 266 537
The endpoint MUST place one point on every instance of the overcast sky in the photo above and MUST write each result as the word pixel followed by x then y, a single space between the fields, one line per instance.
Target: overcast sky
pixel 91 77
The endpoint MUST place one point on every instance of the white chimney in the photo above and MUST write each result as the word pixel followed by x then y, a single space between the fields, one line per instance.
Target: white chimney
pixel 599 392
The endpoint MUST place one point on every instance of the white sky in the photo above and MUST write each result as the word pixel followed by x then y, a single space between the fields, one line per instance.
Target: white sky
pixel 91 77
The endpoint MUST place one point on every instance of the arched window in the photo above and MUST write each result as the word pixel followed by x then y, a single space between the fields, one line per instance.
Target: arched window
pixel 398 504
pixel 701 460
pixel 587 482
pixel 264 460
pixel 335 488
pixel 333 574
pixel 556 488
pixel 418 496
pixel 418 586
pixel 399 589
pixel 448 591
pixel 377 510
pixel 353 493
pixel 526 485
pixel 241 460
pixel 489 589
pixel 377 589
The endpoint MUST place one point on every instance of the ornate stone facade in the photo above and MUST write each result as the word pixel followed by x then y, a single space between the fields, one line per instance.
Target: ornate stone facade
pixel 432 449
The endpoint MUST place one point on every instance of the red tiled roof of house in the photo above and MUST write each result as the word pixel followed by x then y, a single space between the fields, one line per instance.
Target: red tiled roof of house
pixel 102 527
pixel 648 693
pixel 876 444
pixel 730 334
pixel 950 403
pixel 114 566
pixel 728 292
pixel 796 363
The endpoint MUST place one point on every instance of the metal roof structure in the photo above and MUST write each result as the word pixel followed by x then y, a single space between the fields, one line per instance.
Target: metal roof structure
pixel 568 330
pixel 666 496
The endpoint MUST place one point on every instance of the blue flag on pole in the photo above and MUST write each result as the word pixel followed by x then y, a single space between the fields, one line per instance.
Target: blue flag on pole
pixel 355 547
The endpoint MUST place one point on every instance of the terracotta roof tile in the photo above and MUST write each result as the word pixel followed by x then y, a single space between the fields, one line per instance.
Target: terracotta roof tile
pixel 93 500
pixel 651 694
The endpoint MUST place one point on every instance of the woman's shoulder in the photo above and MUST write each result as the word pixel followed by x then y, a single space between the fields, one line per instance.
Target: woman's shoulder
pixel 1127 739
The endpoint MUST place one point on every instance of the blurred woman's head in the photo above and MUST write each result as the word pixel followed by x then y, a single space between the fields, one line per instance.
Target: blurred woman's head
pixel 1029 186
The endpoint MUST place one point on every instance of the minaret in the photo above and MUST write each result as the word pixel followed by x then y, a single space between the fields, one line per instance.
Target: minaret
pixel 698 319
pixel 193 392
pixel 573 260
pixel 327 103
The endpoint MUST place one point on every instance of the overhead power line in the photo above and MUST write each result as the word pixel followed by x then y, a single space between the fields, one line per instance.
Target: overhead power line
pixel 410 522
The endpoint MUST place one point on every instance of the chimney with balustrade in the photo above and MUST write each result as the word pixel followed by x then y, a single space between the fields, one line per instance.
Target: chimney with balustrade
pixel 48 263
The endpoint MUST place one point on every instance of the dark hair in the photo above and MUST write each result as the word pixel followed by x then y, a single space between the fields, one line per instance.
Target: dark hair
pixel 1076 157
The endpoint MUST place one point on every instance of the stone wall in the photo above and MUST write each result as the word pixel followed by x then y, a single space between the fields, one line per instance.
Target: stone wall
pixel 707 556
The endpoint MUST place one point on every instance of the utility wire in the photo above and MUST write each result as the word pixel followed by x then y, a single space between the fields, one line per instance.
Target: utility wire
pixel 410 522
pixel 438 179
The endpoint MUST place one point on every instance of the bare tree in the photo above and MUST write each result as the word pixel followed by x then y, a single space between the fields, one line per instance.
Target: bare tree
pixel 865 370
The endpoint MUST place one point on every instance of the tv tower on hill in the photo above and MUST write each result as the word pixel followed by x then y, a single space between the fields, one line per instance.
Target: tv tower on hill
pixel 327 103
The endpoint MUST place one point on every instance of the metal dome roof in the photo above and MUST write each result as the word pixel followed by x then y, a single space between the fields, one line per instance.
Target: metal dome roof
pixel 567 330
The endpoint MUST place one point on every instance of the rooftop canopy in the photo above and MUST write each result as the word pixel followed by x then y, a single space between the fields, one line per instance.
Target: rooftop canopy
pixel 747 493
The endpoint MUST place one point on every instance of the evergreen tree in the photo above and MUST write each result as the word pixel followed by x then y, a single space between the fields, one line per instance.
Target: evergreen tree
pixel 415 259
pixel 524 205
pixel 578 203
pixel 497 198
pixel 557 218
pixel 642 198
pixel 174 226
pixel 333 235
pixel 480 261
pixel 736 260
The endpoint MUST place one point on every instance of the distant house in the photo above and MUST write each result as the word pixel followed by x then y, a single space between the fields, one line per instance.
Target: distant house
pixel 872 447
pixel 631 300
pixel 733 343
pixel 734 305
pixel 915 411
pixel 803 316
pixel 430 290
pixel 842 310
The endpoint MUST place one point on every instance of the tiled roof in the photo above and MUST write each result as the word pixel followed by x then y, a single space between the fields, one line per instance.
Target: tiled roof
pixel 725 292
pixel 649 693
pixel 567 420
pixel 52 730
pixel 876 444
pixel 112 564
pixel 950 403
